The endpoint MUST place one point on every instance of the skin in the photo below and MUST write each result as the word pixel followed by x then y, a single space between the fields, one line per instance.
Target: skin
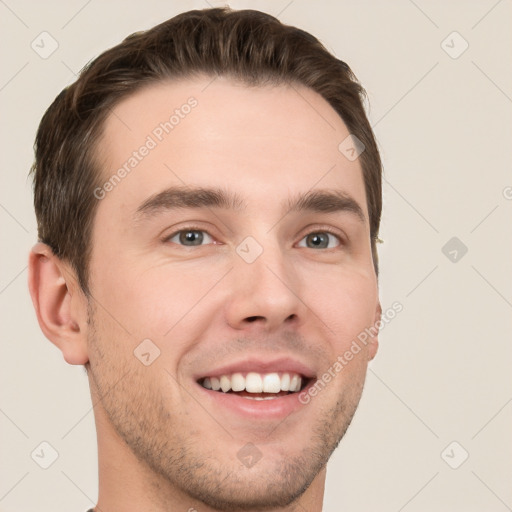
pixel 161 445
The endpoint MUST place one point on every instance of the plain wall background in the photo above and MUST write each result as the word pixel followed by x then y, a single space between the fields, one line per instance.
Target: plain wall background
pixel 442 373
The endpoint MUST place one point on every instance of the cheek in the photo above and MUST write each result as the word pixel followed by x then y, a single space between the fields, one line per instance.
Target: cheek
pixel 346 303
pixel 157 302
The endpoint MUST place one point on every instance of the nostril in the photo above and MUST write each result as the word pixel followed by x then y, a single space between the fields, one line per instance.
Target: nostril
pixel 253 318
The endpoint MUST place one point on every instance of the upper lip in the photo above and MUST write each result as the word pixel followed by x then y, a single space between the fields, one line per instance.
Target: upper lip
pixel 259 365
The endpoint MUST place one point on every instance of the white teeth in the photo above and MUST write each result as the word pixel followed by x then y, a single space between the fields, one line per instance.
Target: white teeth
pixel 285 382
pixel 225 383
pixel 255 383
pixel 237 382
pixel 215 383
pixel 271 383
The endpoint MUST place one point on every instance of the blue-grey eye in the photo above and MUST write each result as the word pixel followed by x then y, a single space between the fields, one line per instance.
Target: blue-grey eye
pixel 320 240
pixel 189 237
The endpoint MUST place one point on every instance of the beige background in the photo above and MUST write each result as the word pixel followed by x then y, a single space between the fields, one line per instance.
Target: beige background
pixel 443 371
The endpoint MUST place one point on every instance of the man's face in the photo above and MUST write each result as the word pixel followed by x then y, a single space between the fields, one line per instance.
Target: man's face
pixel 257 290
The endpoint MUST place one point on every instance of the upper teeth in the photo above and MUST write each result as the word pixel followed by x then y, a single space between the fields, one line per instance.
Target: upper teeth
pixel 255 382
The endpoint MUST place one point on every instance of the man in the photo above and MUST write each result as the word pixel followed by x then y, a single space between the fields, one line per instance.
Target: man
pixel 208 196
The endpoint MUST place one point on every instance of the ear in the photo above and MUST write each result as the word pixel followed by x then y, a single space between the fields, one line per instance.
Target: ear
pixel 373 345
pixel 60 304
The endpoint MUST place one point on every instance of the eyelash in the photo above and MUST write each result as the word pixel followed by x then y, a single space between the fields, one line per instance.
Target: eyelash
pixel 197 228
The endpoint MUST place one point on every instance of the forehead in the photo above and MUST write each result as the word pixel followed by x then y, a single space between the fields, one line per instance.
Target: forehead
pixel 260 141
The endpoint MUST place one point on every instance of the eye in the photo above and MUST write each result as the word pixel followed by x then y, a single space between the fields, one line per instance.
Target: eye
pixel 320 240
pixel 189 237
pixel 192 237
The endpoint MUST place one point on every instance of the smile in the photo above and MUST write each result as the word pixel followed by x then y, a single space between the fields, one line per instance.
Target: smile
pixel 256 389
pixel 256 386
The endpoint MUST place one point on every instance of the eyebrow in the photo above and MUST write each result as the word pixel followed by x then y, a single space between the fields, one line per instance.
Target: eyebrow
pixel 188 197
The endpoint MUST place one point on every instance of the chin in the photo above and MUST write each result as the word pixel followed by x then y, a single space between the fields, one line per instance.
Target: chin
pixel 269 487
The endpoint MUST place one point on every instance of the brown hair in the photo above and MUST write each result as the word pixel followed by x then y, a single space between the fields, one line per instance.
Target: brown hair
pixel 247 45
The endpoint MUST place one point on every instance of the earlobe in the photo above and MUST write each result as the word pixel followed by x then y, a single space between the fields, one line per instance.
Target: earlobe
pixel 60 306
pixel 374 343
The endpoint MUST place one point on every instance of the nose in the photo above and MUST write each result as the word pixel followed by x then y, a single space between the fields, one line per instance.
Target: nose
pixel 265 292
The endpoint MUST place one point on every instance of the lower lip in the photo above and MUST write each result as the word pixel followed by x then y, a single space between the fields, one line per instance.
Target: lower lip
pixel 274 409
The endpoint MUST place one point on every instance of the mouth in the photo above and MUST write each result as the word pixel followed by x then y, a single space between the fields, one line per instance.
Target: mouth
pixel 256 389
pixel 254 385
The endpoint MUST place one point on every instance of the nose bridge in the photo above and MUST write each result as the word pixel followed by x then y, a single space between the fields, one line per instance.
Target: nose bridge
pixel 268 268
pixel 264 285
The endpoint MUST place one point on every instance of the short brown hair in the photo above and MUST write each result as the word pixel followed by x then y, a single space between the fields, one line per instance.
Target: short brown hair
pixel 250 46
